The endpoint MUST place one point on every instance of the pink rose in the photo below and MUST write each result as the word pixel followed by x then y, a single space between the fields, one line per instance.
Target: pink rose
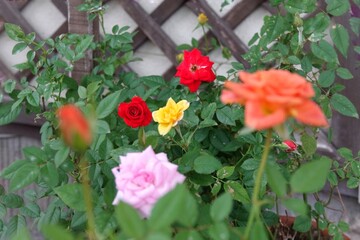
pixel 290 145
pixel 142 178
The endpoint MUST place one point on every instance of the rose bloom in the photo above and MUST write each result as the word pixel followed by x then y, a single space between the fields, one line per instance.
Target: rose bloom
pixel 271 97
pixel 170 115
pixel 142 178
pixel 74 127
pixel 135 113
pixel 195 69
pixel 290 145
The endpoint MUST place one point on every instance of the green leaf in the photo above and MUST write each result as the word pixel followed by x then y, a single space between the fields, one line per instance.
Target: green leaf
pixel 237 191
pixel 337 7
pixel 153 81
pixel 352 182
pixel 168 209
pixel 19 47
pixel 296 205
pixel 340 37
pixel 221 207
pixel 12 200
pixel 15 226
pixel 31 210
pixel 24 176
pixel 56 232
pixel 344 73
pixel 226 116
pixel 82 92
pixel 206 164
pixel 225 172
pixel 190 207
pixel 355 25
pixel 308 144
pixel 130 221
pixel 7 115
pixel 316 173
pixel 14 31
pixel 300 6
pixel 61 155
pixel 84 44
pixel 33 99
pixel 324 51
pixel 208 111
pixel 326 78
pixel 9 171
pixel 276 180
pixel 108 104
pixel 343 105
pixel 9 85
pixel 302 223
pixel 219 231
pixel 71 195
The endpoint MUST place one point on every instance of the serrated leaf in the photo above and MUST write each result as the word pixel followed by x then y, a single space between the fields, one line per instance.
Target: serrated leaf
pixel 309 144
pixel 61 155
pixel 337 7
pixel 12 200
pixel 24 176
pixel 33 99
pixel 300 6
pixel 72 195
pixel 324 51
pixel 12 168
pixel 208 111
pixel 225 172
pixel 302 223
pixel 108 104
pixel 326 78
pixel 152 81
pixel 7 114
pixel 343 105
pixel 14 31
pixel 237 191
pixel 340 37
pixel 15 226
pixel 355 25
pixel 206 164
pixel 225 115
pixel 316 173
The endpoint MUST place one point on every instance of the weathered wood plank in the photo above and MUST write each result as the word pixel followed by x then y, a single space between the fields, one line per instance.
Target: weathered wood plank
pixel 160 15
pixel 78 23
pixel 221 30
pixel 18 4
pixel 5 72
pixel 152 30
pixel 61 5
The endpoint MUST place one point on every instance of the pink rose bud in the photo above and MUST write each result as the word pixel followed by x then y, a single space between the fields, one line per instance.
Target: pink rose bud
pixel 290 145
pixel 143 178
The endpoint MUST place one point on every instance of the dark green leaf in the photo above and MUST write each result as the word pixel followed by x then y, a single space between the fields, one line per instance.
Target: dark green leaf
pixel 340 37
pixel 108 104
pixel 31 210
pixel 33 99
pixel 15 226
pixel 24 176
pixel 276 180
pixel 337 7
pixel 71 195
pixel 352 182
pixel 226 116
pixel 130 221
pixel 237 191
pixel 208 111
pixel 221 207
pixel 152 81
pixel 9 171
pixel 343 105
pixel 56 232
pixel 308 144
pixel 206 164
pixel 324 51
pixel 326 78
pixel 61 155
pixel 7 115
pixel 12 200
pixel 316 173
pixel 225 172
pixel 300 6
pixel 302 223
pixel 355 25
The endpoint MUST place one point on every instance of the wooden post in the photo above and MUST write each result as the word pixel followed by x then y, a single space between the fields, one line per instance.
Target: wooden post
pixel 78 23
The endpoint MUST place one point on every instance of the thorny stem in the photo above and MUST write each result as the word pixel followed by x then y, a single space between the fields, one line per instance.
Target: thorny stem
pixel 256 204
pixel 85 181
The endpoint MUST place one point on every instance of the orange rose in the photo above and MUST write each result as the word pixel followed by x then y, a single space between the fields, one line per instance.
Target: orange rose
pixel 74 127
pixel 271 97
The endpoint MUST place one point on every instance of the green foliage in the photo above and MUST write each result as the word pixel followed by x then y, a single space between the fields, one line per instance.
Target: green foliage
pixel 219 156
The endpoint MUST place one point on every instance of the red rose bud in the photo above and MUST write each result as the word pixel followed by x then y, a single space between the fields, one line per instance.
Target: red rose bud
pixel 74 127
pixel 135 113
pixel 194 69
pixel 290 145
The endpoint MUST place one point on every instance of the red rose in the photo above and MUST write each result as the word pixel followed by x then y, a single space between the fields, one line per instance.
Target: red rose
pixel 290 145
pixel 135 113
pixel 74 127
pixel 195 69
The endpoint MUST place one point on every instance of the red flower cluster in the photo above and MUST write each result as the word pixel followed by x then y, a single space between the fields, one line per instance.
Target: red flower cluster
pixel 135 113
pixel 74 127
pixel 195 69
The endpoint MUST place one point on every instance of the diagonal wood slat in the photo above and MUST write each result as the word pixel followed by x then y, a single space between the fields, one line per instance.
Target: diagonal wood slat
pixel 152 30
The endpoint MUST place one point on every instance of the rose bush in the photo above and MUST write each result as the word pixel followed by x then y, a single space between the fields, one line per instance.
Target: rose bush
pixel 180 161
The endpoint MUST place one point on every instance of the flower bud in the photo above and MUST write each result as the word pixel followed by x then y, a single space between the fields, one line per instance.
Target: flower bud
pixel 74 127
pixel 180 57
pixel 298 22
pixel 202 19
pixel 290 145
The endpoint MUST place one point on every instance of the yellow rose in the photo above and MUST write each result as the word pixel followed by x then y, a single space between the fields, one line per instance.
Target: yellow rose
pixel 202 19
pixel 170 115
